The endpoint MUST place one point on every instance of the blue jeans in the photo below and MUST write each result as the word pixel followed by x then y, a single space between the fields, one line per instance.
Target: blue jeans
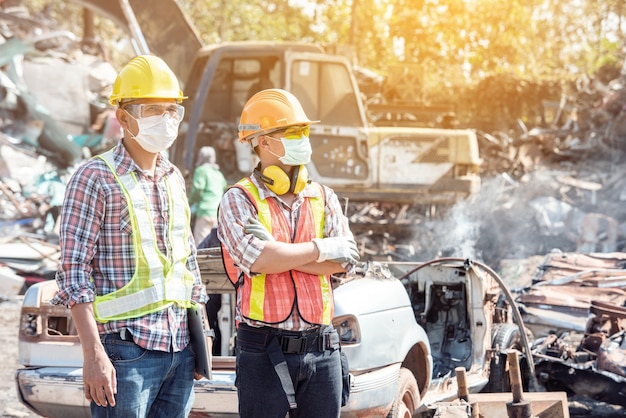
pixel 316 377
pixel 151 384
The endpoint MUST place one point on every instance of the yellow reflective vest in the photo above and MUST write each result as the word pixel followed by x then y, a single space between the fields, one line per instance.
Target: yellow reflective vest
pixel 158 282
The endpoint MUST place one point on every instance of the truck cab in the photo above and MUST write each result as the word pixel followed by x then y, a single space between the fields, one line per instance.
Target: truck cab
pixel 226 75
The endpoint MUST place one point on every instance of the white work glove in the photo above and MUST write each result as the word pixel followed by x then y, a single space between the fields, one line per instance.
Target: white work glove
pixel 254 227
pixel 337 249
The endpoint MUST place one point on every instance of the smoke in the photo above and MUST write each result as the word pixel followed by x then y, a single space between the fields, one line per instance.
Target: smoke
pixel 500 221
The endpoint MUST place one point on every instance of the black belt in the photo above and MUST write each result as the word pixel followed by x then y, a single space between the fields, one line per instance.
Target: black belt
pixel 291 342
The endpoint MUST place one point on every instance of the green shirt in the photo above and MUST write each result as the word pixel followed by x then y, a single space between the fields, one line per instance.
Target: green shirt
pixel 208 187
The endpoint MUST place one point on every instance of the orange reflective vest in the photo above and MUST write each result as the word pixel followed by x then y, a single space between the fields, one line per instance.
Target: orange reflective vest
pixel 270 298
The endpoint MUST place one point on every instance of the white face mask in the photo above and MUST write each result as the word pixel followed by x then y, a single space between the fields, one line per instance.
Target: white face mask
pixel 156 133
pixel 297 151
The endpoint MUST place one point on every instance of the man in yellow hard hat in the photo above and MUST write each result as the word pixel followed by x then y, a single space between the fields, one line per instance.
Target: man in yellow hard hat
pixel 283 236
pixel 128 266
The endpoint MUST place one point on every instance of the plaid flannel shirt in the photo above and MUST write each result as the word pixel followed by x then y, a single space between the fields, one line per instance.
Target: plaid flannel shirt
pixel 97 255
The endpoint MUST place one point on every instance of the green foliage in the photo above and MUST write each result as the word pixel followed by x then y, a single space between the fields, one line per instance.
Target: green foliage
pixel 498 101
pixel 493 55
pixel 223 20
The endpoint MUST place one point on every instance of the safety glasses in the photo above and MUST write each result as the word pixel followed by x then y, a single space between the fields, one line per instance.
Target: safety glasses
pixel 145 110
pixel 293 132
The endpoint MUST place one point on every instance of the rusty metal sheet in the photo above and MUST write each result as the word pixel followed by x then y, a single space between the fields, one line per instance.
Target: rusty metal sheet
pixel 582 379
pixel 565 285
pixel 612 355
pixel 557 264
pixel 580 299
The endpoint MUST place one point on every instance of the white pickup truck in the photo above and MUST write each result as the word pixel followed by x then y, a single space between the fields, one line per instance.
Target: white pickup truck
pixel 404 327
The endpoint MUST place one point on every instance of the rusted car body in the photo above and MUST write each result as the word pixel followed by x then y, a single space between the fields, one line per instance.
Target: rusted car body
pixel 405 328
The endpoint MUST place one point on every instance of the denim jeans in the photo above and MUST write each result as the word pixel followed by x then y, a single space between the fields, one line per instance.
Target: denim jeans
pixel 151 384
pixel 316 377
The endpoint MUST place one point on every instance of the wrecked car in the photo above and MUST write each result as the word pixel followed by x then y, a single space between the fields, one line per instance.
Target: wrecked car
pixel 590 363
pixel 404 327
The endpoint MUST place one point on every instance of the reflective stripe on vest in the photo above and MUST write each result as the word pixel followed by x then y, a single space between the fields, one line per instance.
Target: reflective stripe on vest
pixel 157 282
pixel 270 297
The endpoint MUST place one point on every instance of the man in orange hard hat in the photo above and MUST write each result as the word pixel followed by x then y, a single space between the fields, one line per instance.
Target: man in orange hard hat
pixel 283 236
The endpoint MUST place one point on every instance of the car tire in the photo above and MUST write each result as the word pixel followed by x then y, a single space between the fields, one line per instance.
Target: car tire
pixel 504 337
pixel 407 397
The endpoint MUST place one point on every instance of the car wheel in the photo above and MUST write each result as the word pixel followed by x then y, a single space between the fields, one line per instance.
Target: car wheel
pixel 504 337
pixel 407 397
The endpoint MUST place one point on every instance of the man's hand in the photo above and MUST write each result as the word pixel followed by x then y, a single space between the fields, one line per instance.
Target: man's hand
pixel 337 249
pixel 255 228
pixel 99 379
pixel 99 375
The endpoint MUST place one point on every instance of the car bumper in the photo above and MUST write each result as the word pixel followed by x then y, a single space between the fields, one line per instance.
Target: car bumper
pixel 53 391
pixel 372 392
pixel 58 392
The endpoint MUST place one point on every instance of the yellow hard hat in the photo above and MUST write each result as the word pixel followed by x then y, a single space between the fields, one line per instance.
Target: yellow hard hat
pixel 270 110
pixel 146 76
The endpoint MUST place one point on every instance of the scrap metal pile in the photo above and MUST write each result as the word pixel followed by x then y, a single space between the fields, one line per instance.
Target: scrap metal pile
pixel 53 115
pixel 576 310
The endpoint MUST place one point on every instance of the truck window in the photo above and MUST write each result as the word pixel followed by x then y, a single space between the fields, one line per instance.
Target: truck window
pixel 326 92
pixel 221 104
pixel 235 80
pixel 267 76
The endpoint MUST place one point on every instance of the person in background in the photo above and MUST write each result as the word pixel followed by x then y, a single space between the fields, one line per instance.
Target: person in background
pixel 283 236
pixel 128 268
pixel 207 189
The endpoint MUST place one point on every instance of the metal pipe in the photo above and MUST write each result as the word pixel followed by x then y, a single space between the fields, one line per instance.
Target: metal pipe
pixel 140 45
pixel 518 408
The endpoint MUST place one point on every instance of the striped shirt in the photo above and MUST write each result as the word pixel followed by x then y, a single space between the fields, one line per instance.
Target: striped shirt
pixel 236 208
pixel 97 255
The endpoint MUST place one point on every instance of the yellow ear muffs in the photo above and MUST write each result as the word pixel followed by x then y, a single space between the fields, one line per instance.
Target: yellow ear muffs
pixel 299 179
pixel 278 181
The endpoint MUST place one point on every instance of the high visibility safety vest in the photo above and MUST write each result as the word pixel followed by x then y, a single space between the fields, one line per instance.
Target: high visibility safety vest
pixel 157 282
pixel 270 297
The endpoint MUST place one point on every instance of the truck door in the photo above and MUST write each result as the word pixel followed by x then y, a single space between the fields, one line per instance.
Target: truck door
pixel 327 89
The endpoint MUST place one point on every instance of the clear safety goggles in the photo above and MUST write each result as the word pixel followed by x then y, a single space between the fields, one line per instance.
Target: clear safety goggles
pixel 145 110
pixel 293 132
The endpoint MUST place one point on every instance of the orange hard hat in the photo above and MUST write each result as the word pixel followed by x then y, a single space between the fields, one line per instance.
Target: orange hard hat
pixel 268 111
